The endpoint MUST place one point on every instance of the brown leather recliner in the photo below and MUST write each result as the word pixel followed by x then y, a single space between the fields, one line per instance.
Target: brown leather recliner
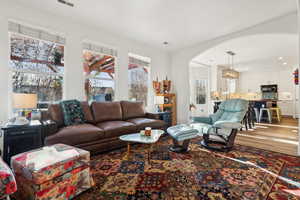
pixel 105 122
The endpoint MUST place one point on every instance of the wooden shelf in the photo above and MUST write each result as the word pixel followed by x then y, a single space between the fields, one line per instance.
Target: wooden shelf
pixel 166 105
pixel 166 95
pixel 170 106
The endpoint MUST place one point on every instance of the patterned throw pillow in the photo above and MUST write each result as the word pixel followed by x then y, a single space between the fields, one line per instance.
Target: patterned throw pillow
pixel 72 111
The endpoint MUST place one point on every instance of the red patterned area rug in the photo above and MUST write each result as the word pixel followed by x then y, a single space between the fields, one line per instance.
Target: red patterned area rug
pixel 245 173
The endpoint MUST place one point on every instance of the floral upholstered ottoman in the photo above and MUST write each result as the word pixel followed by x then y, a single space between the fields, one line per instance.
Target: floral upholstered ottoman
pixel 54 172
pixel 7 181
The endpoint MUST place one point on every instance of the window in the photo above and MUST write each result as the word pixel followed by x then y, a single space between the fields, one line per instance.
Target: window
pixel 37 64
pixel 231 86
pixel 200 91
pixel 139 78
pixel 99 70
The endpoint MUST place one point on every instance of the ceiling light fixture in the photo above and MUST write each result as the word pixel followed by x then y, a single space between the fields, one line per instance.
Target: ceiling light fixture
pixel 285 63
pixel 280 58
pixel 229 72
pixel 66 3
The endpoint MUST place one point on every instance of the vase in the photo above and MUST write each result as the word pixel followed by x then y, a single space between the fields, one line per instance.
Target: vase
pixel 156 86
pixel 166 85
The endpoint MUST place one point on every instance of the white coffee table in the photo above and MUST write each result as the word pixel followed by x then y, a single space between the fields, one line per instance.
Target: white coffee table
pixel 139 138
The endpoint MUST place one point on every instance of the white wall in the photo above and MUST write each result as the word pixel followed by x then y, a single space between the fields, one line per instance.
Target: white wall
pixel 75 33
pixel 250 81
pixel 298 32
pixel 4 102
pixel 213 78
pixel 181 58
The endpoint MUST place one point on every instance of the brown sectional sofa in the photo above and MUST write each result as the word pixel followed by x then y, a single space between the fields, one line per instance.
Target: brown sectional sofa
pixel 105 122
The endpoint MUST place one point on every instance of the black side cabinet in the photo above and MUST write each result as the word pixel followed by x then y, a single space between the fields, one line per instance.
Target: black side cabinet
pixel 18 139
pixel 165 116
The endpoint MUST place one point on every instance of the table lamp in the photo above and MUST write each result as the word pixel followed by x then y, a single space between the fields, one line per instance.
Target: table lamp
pixel 21 102
pixel 215 95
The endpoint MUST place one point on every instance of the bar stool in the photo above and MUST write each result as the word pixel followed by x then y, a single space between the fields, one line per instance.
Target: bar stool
pixel 252 115
pixel 277 112
pixel 268 112
pixel 256 111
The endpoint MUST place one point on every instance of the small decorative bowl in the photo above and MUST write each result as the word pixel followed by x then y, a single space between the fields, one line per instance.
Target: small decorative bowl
pixel 142 132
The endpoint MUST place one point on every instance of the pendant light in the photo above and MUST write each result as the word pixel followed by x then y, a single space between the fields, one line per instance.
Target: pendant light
pixel 230 73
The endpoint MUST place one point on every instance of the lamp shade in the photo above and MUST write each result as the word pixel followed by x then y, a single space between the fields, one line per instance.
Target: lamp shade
pixel 159 100
pixel 230 74
pixel 215 95
pixel 24 101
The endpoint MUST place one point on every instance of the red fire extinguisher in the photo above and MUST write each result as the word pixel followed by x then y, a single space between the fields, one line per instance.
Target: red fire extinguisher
pixel 296 77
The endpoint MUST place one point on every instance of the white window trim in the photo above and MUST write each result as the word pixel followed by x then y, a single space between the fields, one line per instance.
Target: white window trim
pixel 99 49
pixel 35 33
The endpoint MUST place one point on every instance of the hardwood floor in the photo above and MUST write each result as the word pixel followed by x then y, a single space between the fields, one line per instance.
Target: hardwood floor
pixel 279 137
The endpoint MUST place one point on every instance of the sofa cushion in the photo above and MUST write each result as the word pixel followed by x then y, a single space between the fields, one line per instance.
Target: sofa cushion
pixel 106 111
pixel 117 128
pixel 142 123
pixel 76 134
pixel 87 112
pixel 132 109
pixel 56 114
pixel 72 112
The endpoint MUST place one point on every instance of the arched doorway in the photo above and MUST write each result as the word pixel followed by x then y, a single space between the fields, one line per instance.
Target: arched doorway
pixel 180 59
pixel 261 59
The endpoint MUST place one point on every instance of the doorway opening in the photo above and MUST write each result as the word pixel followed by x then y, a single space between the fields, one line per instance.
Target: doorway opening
pixel 264 71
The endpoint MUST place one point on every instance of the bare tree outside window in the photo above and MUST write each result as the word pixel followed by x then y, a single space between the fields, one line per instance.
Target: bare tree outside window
pixel 139 77
pixel 37 67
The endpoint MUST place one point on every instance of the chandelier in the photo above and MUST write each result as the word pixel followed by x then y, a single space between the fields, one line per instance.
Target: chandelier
pixel 229 72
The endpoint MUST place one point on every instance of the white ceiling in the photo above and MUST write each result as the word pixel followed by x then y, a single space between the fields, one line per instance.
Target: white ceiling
pixel 180 22
pixel 253 52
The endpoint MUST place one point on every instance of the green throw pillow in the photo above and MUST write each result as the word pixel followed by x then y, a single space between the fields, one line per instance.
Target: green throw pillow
pixel 72 111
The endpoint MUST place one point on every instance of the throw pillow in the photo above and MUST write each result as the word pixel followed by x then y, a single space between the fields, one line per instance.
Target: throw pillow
pixel 72 111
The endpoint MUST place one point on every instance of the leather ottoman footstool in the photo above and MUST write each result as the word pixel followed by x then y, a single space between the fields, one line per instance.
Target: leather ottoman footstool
pixel 54 172
pixel 182 133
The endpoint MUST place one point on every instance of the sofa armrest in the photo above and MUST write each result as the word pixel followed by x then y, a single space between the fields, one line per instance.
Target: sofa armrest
pixel 228 125
pixel 206 120
pixel 152 115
